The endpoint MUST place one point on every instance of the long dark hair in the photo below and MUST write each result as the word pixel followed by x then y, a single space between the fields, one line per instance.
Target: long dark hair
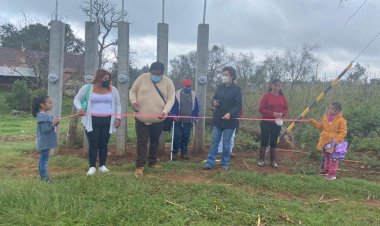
pixel 273 82
pixel 99 74
pixel 37 101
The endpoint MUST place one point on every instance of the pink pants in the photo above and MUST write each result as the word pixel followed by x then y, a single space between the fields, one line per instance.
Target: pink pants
pixel 330 165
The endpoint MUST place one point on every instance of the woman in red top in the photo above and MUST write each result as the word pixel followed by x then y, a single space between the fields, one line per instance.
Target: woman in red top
pixel 273 105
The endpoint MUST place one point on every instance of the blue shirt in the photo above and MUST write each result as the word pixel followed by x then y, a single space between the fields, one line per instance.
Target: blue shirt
pixel 46 135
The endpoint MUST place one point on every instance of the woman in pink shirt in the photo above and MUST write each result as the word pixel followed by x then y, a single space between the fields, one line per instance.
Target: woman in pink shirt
pixel 273 106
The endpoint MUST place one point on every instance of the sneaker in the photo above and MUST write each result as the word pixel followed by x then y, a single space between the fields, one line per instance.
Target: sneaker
pixel 330 177
pixel 232 155
pixel 185 156
pixel 225 168
pixel 155 166
pixel 274 164
pixel 139 171
pixel 261 163
pixel 91 171
pixel 206 168
pixel 324 173
pixel 103 169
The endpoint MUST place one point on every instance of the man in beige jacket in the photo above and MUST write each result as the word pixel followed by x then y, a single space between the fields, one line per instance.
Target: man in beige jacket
pixel 153 95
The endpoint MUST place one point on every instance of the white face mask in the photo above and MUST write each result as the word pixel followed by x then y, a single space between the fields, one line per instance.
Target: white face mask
pixel 278 121
pixel 225 79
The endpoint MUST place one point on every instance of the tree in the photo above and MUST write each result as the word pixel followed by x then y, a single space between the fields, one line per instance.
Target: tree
pixel 245 69
pixel 356 72
pixel 300 63
pixel 183 67
pixel 105 14
pixel 36 37
pixel 218 59
pixel 273 67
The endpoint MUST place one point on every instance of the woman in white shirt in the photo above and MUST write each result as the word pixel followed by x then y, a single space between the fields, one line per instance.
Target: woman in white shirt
pixel 101 118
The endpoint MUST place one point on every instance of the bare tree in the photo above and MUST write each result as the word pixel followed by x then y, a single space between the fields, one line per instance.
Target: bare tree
pixel 300 63
pixel 183 67
pixel 245 69
pixel 105 14
pixel 218 58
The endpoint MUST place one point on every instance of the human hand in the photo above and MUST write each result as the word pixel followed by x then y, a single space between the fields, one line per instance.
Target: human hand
pixel 175 118
pixel 56 121
pixel 227 116
pixel 216 103
pixel 135 107
pixel 81 112
pixel 117 123
pixel 312 120
pixel 163 115
pixel 277 114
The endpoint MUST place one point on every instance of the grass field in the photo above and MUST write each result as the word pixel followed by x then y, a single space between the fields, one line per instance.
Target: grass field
pixel 179 194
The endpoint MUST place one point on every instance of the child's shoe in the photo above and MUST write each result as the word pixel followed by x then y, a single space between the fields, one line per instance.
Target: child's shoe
pixel 330 177
pixel 91 171
pixel 103 169
pixel 324 173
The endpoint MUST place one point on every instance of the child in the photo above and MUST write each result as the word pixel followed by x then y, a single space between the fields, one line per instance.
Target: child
pixel 333 130
pixel 46 134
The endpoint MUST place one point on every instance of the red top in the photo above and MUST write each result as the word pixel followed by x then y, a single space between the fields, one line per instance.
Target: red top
pixel 271 103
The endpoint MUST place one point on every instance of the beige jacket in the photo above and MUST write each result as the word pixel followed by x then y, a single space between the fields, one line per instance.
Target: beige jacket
pixel 145 94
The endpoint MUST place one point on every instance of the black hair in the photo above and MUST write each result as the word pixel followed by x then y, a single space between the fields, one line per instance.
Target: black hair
pixel 273 82
pixel 37 101
pixel 337 106
pixel 232 72
pixel 157 65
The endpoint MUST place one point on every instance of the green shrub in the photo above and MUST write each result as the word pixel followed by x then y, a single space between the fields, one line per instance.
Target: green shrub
pixel 20 96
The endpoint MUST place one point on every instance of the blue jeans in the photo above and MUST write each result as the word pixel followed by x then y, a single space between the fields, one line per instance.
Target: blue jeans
pixel 220 146
pixel 43 164
pixel 182 131
pixel 216 137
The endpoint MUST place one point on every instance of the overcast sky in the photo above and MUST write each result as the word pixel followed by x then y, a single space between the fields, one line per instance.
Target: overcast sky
pixel 260 26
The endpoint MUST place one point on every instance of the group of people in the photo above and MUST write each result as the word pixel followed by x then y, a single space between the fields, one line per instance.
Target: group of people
pixel 153 98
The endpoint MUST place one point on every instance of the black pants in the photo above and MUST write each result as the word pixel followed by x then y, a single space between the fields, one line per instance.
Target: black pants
pixel 147 134
pixel 98 140
pixel 269 133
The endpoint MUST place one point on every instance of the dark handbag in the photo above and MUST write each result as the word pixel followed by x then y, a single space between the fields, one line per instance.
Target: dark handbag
pixel 168 122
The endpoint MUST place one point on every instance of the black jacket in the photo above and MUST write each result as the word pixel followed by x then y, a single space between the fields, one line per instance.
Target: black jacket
pixel 230 101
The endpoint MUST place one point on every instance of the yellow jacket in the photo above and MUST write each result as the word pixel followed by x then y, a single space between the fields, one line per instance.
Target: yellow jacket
pixel 337 129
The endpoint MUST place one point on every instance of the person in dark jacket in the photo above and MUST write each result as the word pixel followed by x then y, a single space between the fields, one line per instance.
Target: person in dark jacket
pixel 227 101
pixel 186 104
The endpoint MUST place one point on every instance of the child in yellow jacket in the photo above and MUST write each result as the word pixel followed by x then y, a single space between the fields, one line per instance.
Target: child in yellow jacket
pixel 333 131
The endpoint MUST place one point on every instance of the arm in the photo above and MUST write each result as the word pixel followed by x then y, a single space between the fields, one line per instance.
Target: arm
pixel 175 108
pixel 196 107
pixel 80 95
pixel 171 97
pixel 134 90
pixel 117 102
pixel 342 131
pixel 238 104
pixel 262 106
pixel 317 124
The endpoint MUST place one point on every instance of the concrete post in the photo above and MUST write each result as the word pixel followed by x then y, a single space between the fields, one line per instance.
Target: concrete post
pixel 91 59
pixel 162 56
pixel 55 77
pixel 200 85
pixel 123 84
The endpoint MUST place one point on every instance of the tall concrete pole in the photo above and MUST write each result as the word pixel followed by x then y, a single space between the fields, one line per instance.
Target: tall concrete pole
pixel 162 56
pixel 91 58
pixel 123 84
pixel 201 82
pixel 56 57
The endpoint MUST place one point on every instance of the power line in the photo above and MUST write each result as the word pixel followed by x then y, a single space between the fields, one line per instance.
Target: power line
pixel 355 13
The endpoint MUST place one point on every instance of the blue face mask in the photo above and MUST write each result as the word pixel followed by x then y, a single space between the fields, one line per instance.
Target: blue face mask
pixel 156 78
pixel 187 90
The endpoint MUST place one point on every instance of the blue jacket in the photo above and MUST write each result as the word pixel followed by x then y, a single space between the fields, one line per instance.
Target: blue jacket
pixel 176 106
pixel 46 135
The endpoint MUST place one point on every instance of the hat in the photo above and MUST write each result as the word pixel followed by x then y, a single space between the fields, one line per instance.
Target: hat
pixel 187 82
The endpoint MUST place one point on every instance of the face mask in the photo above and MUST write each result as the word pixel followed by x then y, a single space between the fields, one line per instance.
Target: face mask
pixel 225 79
pixel 278 121
pixel 155 78
pixel 106 84
pixel 187 90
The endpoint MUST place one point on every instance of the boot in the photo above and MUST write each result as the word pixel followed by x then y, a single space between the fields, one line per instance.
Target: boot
pixel 262 156
pixel 273 158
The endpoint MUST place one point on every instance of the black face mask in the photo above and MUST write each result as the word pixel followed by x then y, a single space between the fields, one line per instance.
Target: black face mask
pixel 106 84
